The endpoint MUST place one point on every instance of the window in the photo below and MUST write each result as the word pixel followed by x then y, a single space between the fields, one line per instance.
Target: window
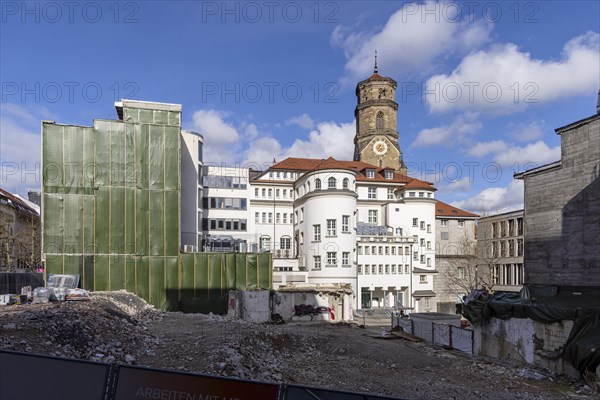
pixel 406 269
pixel 359 269
pixel 331 258
pixel 428 228
pixel 380 250
pixel 372 193
pixel 393 268
pixel 270 218
pixel 367 269
pixel 415 221
pixel 316 233
pixel 387 269
pixel 372 216
pixel 422 242
pixel 421 194
pixel 317 183
pixel 415 255
pixel 256 217
pixel 284 193
pixel 390 193
pixel 379 121
pixel 331 183
pixel 461 272
pixel 301 237
pixel 317 262
pixel 278 218
pixel 374 269
pixel 367 250
pixel 291 220
pixel 255 192
pixel 264 192
pixel 277 192
pixel 444 222
pixel 422 225
pixel 411 194
pixel 331 227
pixel 345 258
pixel 285 218
pixel 370 173
pixel 285 244
pixel 301 214
pixel 345 223
pixel 345 183
pixel 428 261
pixel 422 278
pixel 264 218
pixel 387 250
pixel 380 270
pixel 278 174
pixel 393 250
pixel 389 174
pixel 359 250
pixel 422 260
pixel 265 243
pixel 461 223
pixel 428 245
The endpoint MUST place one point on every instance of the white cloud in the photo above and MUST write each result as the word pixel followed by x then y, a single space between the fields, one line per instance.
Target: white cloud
pixel 412 40
pixel 529 156
pixel 461 185
pixel 460 129
pixel 221 138
pixel 526 132
pixel 505 79
pixel 495 200
pixel 327 139
pixel 484 148
pixel 20 147
pixel 303 121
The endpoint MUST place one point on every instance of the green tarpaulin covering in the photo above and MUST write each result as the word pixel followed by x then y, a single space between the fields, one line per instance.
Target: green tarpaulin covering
pixel 111 202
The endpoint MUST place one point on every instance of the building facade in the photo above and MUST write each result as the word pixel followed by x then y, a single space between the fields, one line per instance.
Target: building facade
pixel 562 210
pixel 455 255
pixel 19 232
pixel 191 190
pixel 500 246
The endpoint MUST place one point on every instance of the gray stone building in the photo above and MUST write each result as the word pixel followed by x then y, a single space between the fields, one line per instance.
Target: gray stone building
pixel 562 210
pixel 455 255
pixel 500 250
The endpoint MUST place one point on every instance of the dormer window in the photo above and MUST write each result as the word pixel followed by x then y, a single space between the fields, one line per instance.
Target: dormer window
pixel 389 174
pixel 370 173
pixel 317 184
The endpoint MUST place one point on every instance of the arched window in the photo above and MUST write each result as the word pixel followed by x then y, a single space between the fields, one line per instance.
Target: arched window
pixel 317 183
pixel 265 243
pixel 345 183
pixel 379 120
pixel 331 183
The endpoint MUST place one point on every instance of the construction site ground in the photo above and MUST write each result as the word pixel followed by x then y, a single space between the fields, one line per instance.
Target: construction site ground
pixel 120 327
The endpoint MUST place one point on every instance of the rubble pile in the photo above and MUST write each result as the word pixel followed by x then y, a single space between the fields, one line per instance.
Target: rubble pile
pixel 110 327
pixel 120 327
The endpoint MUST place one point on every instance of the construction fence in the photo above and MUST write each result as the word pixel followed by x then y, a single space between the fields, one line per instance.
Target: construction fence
pixel 92 380
pixel 447 335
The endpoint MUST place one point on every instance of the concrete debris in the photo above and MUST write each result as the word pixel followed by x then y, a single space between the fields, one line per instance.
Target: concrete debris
pixel 118 327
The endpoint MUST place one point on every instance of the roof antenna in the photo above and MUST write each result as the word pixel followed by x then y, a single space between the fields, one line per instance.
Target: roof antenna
pixel 375 70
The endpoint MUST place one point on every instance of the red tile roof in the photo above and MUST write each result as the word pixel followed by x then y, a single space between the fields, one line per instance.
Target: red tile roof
pixel 314 164
pixel 446 210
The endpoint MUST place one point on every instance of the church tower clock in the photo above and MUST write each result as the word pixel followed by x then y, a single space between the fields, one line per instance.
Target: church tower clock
pixel 376 140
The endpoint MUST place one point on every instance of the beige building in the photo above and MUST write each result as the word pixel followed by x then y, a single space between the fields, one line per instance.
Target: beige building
pixel 455 255
pixel 500 249
pixel 19 232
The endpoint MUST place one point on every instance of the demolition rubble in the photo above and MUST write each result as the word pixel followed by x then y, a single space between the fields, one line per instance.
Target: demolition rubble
pixel 119 327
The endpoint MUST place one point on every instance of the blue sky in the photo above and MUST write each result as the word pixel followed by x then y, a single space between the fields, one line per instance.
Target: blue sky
pixel 481 85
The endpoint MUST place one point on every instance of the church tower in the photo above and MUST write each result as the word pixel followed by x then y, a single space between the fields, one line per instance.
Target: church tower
pixel 376 140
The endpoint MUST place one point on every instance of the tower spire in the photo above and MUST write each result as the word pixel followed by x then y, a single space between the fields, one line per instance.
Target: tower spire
pixel 375 70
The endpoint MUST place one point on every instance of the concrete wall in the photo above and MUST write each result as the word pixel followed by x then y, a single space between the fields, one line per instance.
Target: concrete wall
pixel 525 340
pixel 284 302
pixel 249 305
pixel 562 213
